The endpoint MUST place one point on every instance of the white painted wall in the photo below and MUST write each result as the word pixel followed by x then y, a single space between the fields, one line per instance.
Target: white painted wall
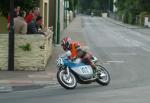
pixel 146 22
pixel 114 7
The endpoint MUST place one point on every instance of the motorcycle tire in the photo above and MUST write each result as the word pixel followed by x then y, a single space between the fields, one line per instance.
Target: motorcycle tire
pixel 63 82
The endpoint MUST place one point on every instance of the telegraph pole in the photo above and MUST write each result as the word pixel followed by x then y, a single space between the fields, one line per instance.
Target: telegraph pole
pixel 11 38
pixel 58 23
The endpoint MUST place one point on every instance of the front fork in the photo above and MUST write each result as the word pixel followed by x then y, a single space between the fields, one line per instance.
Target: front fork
pixel 67 72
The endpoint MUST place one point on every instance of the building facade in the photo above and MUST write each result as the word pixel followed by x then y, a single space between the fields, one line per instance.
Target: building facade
pixel 49 11
pixel 44 9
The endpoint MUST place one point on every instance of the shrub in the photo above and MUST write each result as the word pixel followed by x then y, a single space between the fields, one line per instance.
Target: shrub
pixel 120 14
pixel 26 47
pixel 131 18
pixel 125 17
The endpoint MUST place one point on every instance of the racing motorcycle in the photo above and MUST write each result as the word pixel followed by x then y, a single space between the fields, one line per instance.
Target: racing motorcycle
pixel 72 72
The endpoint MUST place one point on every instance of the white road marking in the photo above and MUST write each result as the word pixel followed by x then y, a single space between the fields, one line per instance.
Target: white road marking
pixel 5 89
pixel 137 43
pixel 123 54
pixel 146 49
pixel 115 61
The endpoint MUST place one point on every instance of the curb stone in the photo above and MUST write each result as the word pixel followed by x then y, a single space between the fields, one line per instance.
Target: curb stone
pixel 34 85
pixel 121 24
pixel 6 89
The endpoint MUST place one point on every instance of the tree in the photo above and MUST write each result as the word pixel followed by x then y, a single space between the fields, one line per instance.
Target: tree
pixel 144 5
pixel 24 4
pixel 73 4
pixel 96 4
pixel 133 5
pixel 85 4
pixel 131 8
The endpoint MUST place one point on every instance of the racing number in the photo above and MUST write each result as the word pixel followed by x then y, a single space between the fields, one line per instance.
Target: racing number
pixel 84 69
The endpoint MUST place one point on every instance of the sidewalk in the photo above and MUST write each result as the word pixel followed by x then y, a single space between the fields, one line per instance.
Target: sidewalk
pixel 123 24
pixel 75 31
pixel 24 80
pixel 139 29
pixel 20 80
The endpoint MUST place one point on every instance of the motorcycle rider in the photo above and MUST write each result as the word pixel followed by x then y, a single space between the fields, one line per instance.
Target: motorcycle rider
pixel 77 52
pixel 68 45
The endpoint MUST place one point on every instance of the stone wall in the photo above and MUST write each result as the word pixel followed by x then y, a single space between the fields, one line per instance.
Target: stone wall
pixel 34 59
pixel 3 51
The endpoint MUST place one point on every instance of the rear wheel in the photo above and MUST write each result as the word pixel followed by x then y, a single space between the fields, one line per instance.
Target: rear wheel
pixel 68 82
pixel 103 77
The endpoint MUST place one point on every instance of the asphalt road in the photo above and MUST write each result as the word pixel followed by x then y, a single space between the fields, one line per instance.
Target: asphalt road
pixel 126 54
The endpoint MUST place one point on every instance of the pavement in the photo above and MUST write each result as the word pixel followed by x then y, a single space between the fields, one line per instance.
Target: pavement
pixel 129 26
pixel 27 80
pixel 75 31
pixel 23 80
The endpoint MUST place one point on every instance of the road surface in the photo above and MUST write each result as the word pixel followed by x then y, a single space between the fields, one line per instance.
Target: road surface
pixel 126 54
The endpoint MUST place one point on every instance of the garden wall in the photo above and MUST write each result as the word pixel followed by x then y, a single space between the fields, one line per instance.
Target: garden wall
pixel 31 51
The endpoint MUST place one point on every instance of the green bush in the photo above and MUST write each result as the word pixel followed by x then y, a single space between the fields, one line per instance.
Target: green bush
pixel 131 18
pixel 120 14
pixel 125 17
pixel 142 16
pixel 26 47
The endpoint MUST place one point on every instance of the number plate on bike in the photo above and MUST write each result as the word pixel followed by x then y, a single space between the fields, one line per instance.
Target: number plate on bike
pixel 84 69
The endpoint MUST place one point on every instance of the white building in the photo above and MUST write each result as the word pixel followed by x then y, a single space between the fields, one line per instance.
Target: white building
pixel 114 7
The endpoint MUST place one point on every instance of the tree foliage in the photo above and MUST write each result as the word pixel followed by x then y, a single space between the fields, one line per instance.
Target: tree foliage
pixel 133 5
pixel 96 4
pixel 73 4
pixel 103 5
pixel 85 4
pixel 130 9
pixel 24 4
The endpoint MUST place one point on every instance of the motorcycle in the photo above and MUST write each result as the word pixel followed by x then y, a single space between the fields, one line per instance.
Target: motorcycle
pixel 72 72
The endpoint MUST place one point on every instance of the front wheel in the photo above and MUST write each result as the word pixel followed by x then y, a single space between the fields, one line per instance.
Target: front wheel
pixel 68 82
pixel 103 77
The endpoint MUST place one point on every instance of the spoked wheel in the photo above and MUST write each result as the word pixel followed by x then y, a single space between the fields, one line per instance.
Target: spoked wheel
pixel 103 77
pixel 68 82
